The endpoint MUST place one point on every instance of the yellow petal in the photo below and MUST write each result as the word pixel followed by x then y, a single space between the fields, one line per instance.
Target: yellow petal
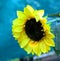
pixel 46 27
pixel 24 40
pixel 32 43
pixel 18 21
pixel 28 11
pixel 48 48
pixel 49 42
pixel 32 52
pixel 40 13
pixel 43 20
pixel 16 35
pixel 28 48
pixel 21 18
pixel 50 35
pixel 36 15
pixel 36 50
pixel 43 46
pixel 15 21
pixel 21 15
pixel 17 28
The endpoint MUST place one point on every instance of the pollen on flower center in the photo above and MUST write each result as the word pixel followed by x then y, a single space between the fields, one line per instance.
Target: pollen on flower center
pixel 34 29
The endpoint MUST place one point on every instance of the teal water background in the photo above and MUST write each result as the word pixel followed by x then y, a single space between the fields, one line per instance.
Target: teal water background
pixel 9 48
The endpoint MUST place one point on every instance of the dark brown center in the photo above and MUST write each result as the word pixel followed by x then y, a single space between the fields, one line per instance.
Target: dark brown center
pixel 34 29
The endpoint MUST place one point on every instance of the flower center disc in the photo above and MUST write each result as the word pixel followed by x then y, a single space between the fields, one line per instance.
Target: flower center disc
pixel 34 29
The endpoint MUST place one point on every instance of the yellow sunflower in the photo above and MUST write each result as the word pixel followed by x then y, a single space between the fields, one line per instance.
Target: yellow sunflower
pixel 31 30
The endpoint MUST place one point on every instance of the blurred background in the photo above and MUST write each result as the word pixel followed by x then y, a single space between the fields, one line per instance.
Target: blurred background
pixel 9 48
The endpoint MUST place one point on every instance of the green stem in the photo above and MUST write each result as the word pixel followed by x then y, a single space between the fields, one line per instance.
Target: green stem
pixel 54 15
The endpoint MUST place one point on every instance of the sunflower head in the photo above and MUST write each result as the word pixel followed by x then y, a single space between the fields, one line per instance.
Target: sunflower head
pixel 32 32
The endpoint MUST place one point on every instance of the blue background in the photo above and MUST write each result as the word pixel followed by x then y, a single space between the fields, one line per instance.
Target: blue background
pixel 9 48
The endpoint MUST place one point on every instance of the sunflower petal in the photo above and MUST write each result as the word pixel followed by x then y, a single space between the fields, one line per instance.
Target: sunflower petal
pixel 18 21
pixel 28 48
pixel 16 35
pixel 46 27
pixel 37 50
pixel 21 15
pixel 47 48
pixel 32 53
pixel 28 11
pixel 43 20
pixel 50 42
pixel 36 15
pixel 15 21
pixel 24 40
pixel 43 47
pixel 32 43
pixel 17 28
pixel 51 35
pixel 40 13
pixel 21 18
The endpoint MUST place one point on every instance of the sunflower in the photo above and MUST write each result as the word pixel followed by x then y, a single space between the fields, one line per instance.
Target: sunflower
pixel 31 30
